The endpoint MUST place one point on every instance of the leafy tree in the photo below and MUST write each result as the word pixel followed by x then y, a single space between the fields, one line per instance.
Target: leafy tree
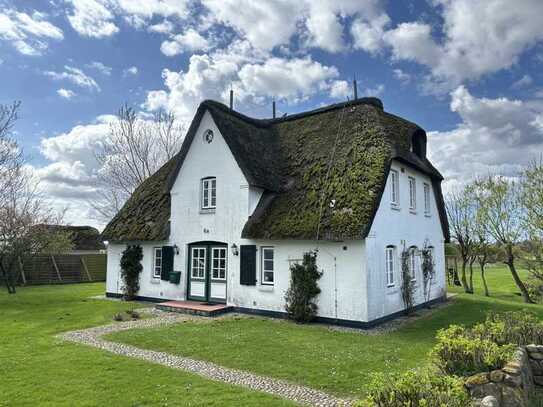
pixel 501 212
pixel 130 270
pixel 303 289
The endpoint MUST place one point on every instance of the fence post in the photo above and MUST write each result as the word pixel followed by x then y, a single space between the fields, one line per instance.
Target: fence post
pixel 85 267
pixel 56 267
pixel 22 270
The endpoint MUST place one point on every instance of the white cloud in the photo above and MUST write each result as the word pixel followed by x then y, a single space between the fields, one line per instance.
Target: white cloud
pixel 148 8
pixel 402 76
pixel 254 76
pixel 100 67
pixel 165 27
pixel 375 91
pixel 190 40
pixel 28 34
pixel 526 80
pixel 93 18
pixel 479 37
pixel 368 33
pixel 130 71
pixel 76 76
pixel 65 93
pixel 495 135
pixel 340 90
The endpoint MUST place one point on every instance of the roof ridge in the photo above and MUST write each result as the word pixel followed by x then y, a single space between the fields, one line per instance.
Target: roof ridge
pixel 372 101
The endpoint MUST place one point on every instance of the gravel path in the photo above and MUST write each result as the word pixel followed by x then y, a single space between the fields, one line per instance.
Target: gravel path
pixel 299 394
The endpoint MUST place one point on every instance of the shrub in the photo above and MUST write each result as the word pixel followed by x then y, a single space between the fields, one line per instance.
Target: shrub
pixel 518 328
pixel 460 352
pixel 408 285
pixel 118 317
pixel 130 270
pixel 535 289
pixel 416 388
pixel 303 289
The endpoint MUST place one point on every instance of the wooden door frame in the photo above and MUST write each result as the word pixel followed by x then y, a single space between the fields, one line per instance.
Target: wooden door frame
pixel 209 245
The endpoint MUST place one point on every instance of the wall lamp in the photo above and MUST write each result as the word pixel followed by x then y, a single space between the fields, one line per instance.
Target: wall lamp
pixel 235 250
pixel 176 249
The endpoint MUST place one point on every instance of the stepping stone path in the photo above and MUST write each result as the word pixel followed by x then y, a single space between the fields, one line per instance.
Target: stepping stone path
pixel 299 394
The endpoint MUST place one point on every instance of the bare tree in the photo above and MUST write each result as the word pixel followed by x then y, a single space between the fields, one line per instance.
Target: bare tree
pixel 460 211
pixel 134 149
pixel 501 212
pixel 22 211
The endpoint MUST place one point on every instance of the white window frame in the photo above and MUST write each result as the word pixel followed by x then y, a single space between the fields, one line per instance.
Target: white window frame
pixel 200 266
pixel 157 269
pixel 413 262
pixel 394 188
pixel 209 193
pixel 412 193
pixel 216 271
pixel 427 201
pixel 390 265
pixel 263 261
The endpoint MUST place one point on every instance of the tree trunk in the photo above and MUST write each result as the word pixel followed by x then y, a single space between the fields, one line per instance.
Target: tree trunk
pixel 464 280
pixel 7 278
pixel 511 263
pixel 471 275
pixel 487 294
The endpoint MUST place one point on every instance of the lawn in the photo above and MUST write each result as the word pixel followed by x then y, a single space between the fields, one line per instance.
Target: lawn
pixel 336 362
pixel 38 369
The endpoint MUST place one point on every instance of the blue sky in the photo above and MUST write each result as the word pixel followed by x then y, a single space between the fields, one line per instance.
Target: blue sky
pixel 467 71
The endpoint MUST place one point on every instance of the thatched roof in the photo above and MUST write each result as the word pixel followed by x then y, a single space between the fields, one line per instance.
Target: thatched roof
pixel 290 158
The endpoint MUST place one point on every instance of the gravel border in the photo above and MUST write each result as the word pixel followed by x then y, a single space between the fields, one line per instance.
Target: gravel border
pixel 299 394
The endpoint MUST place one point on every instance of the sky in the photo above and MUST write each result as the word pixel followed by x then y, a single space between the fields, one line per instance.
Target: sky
pixel 468 71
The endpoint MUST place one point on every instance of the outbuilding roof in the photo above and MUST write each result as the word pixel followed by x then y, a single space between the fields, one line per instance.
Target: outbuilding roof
pixel 322 171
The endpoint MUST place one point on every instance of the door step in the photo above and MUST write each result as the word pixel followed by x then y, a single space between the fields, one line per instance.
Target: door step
pixel 194 308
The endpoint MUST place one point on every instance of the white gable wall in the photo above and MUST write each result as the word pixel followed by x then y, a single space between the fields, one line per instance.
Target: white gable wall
pixel 402 227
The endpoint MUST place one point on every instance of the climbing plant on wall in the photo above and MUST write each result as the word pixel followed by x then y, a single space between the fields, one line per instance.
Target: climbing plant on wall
pixel 130 270
pixel 408 285
pixel 428 269
pixel 303 289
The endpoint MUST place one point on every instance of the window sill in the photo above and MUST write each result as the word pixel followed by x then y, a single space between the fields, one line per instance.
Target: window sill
pixel 155 280
pixel 266 287
pixel 412 211
pixel 395 207
pixel 427 215
pixel 207 211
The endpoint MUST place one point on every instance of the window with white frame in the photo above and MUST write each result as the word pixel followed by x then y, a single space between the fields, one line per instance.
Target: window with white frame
pixel 157 262
pixel 394 188
pixel 426 198
pixel 209 193
pixel 268 266
pixel 412 194
pixel 198 266
pixel 413 262
pixel 390 257
pixel 218 263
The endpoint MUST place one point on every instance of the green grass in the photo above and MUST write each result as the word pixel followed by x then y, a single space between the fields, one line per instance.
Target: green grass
pixel 38 369
pixel 500 282
pixel 336 362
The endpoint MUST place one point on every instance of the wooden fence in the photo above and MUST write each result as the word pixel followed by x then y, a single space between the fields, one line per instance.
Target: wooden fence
pixel 58 269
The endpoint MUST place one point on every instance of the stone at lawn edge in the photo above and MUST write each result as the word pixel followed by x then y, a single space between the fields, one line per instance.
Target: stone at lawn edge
pixel 512 368
pixel 534 348
pixel 477 380
pixel 513 381
pixel 536 355
pixel 512 397
pixel 537 367
pixel 497 376
pixel 490 401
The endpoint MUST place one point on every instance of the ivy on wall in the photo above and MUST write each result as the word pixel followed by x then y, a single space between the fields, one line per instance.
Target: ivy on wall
pixel 130 270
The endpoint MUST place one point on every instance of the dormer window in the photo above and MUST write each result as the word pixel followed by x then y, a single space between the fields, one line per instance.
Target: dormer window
pixel 209 193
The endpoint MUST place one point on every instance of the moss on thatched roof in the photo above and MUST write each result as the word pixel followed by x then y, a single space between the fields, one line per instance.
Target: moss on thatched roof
pixel 291 159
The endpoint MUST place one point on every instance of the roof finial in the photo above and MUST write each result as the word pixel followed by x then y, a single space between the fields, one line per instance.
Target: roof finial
pixel 355 88
pixel 273 107
pixel 231 98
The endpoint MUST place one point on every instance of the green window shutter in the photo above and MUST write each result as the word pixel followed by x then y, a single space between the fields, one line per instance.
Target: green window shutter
pixel 167 262
pixel 247 272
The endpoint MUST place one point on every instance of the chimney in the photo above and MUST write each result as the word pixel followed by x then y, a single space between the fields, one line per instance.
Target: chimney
pixel 355 88
pixel 231 99
pixel 273 108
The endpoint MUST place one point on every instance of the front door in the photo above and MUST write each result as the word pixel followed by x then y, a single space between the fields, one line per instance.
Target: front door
pixel 207 272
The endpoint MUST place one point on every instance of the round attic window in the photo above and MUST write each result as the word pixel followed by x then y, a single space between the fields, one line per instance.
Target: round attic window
pixel 208 136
